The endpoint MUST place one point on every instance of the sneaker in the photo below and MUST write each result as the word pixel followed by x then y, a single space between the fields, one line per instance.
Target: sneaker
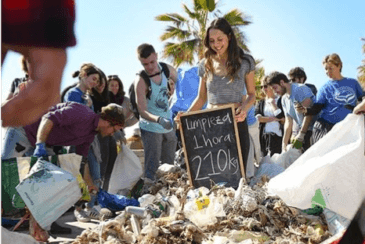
pixel 92 213
pixel 106 214
pixel 81 216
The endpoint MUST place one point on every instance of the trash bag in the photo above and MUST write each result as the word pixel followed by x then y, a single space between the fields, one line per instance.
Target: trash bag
pixel 8 236
pixel 285 159
pixel 48 191
pixel 269 169
pixel 115 202
pixel 126 172
pixel 330 174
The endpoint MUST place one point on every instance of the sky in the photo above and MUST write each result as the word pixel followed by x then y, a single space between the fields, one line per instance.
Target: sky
pixel 284 34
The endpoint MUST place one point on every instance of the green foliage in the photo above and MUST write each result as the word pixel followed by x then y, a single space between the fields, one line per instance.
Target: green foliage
pixel 184 35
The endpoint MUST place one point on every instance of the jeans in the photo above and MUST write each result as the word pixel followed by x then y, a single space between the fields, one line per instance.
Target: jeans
pixel 157 147
pixel 94 167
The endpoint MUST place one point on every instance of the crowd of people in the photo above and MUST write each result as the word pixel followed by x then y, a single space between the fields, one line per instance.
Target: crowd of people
pixel 90 116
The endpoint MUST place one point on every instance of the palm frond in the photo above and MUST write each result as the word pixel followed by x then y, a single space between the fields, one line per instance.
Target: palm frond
pixel 191 14
pixel 236 18
pixel 177 19
pixel 174 32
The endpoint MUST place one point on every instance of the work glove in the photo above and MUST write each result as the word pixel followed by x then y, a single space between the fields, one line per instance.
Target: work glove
pixel 40 150
pixel 298 140
pixel 166 123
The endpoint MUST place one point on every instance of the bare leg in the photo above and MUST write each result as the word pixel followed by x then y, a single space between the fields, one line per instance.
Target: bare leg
pixel 47 66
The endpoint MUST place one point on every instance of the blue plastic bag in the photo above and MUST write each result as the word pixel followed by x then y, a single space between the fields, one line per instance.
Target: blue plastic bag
pixel 115 202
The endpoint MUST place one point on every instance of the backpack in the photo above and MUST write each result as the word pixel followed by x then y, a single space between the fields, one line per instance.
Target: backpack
pixel 132 92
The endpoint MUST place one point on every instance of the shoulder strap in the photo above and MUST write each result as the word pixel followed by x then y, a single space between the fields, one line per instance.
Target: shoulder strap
pixel 147 80
pixel 165 69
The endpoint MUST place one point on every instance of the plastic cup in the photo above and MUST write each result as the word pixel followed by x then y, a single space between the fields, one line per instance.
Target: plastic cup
pixel 139 211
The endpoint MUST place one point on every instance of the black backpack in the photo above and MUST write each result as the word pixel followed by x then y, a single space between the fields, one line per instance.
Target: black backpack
pixel 132 92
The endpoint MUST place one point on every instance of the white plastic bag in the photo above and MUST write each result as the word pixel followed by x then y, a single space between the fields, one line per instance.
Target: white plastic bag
pixel 269 169
pixel 12 237
pixel 126 172
pixel 48 191
pixel 285 159
pixel 331 173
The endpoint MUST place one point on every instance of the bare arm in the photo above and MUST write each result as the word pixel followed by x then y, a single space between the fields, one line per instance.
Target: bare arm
pixel 11 95
pixel 288 126
pixel 130 119
pixel 264 119
pixel 201 99
pixel 173 76
pixel 44 129
pixel 250 86
pixel 46 69
pixel 141 91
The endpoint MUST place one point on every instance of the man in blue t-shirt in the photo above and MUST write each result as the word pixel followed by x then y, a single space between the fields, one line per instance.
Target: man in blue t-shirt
pixel 294 96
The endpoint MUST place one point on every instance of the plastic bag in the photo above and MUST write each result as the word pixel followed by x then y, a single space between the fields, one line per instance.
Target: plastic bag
pixel 126 172
pixel 269 169
pixel 285 159
pixel 48 191
pixel 115 202
pixel 12 237
pixel 330 174
pixel 71 162
pixel 14 170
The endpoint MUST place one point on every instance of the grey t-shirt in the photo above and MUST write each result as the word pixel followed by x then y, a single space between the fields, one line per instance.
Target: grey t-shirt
pixel 220 91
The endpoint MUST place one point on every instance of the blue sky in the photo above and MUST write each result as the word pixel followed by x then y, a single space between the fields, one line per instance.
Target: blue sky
pixel 284 34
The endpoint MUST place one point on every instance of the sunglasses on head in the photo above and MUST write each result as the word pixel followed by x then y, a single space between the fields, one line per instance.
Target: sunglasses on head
pixel 111 77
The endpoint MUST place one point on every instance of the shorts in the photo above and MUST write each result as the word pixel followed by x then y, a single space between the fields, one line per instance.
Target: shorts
pixel 38 23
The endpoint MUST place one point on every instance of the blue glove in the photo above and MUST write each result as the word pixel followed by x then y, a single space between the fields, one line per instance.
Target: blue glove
pixel 166 123
pixel 40 150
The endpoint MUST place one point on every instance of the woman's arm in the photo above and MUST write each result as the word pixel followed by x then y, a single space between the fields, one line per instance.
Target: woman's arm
pixel 250 86
pixel 201 99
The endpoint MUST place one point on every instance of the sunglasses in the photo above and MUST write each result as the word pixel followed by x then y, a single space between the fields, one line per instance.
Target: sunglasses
pixel 264 86
pixel 111 77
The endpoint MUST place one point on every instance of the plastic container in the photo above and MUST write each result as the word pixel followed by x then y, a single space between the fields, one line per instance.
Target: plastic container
pixel 139 211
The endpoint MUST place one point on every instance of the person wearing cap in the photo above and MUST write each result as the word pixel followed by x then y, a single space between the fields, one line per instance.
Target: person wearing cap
pixel 63 125
pixel 157 132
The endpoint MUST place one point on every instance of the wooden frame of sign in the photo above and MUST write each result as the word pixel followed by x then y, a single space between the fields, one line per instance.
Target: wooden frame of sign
pixel 212 147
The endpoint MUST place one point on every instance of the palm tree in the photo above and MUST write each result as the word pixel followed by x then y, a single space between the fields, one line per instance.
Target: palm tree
pixel 259 75
pixel 361 68
pixel 186 34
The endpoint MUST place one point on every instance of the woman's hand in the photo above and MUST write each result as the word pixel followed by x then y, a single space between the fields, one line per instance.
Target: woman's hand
pixel 240 114
pixel 360 108
pixel 177 119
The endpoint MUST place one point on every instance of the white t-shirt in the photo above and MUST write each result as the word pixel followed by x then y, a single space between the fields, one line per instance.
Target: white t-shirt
pixel 274 126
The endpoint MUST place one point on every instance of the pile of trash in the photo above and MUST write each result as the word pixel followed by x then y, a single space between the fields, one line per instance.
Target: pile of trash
pixel 171 211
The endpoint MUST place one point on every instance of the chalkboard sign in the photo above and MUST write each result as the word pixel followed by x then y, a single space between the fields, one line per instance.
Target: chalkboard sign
pixel 212 147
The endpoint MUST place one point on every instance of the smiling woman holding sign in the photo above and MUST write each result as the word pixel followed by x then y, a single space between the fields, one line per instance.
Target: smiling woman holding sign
pixel 226 77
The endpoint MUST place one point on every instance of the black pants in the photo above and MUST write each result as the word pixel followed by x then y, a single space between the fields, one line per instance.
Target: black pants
pixel 244 141
pixel 272 144
pixel 307 141
pixel 108 149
